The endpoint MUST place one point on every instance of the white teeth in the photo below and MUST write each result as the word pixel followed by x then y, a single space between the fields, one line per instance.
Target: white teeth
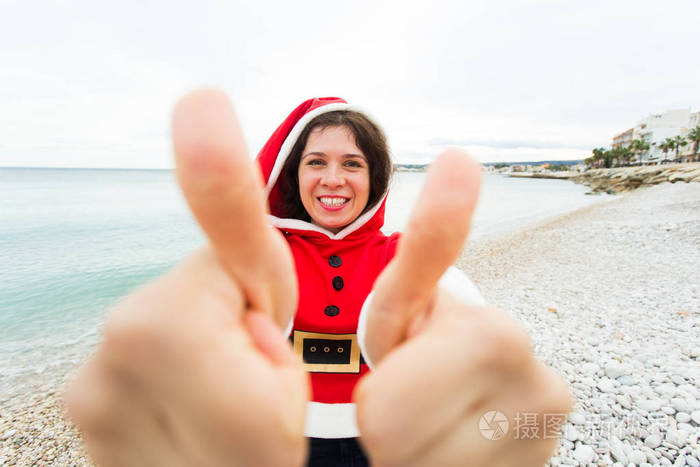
pixel 333 201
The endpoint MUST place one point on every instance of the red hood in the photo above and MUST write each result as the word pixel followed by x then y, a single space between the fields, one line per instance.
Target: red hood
pixel 271 160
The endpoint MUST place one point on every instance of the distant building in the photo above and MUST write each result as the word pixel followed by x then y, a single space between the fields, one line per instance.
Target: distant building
pixel 655 128
pixel 623 139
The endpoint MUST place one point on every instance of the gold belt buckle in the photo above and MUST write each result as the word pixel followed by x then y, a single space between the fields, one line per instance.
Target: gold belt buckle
pixel 327 353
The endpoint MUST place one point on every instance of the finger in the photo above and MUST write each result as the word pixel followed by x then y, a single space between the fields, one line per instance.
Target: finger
pixel 270 340
pixel 462 364
pixel 215 172
pixel 460 360
pixel 434 237
pixel 541 394
pixel 414 383
pixel 109 411
pixel 224 191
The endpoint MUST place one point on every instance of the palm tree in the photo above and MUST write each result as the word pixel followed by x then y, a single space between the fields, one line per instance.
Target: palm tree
pixel 694 136
pixel 639 147
pixel 677 142
pixel 666 146
pixel 621 154
pixel 598 156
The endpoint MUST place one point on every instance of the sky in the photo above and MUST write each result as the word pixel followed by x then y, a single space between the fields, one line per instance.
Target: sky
pixel 93 84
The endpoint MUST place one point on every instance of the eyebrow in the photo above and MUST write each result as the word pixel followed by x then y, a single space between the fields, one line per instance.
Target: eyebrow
pixel 347 156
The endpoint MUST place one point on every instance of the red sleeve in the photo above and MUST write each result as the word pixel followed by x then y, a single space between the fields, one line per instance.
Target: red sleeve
pixel 392 242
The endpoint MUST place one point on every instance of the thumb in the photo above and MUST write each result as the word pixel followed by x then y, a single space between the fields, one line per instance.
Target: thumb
pixel 434 237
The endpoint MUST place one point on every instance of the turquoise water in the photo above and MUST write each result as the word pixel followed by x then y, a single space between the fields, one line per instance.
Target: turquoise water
pixel 73 241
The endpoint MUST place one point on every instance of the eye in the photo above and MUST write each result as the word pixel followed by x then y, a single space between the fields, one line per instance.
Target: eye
pixel 315 162
pixel 354 164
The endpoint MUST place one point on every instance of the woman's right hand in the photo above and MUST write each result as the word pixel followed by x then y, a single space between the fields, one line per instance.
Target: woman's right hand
pixel 194 369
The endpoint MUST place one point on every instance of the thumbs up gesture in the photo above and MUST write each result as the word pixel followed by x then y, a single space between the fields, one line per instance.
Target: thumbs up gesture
pixel 194 369
pixel 442 364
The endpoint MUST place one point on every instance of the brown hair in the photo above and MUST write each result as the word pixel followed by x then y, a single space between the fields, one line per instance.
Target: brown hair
pixel 369 137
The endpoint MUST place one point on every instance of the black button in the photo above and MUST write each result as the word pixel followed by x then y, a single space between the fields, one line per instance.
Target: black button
pixel 335 261
pixel 337 282
pixel 332 310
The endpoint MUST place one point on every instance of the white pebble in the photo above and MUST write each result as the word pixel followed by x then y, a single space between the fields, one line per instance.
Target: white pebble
pixel 571 433
pixel 584 454
pixel 676 437
pixel 668 410
pixel 637 457
pixel 8 434
pixel 624 401
pixel 606 385
pixel 665 389
pixel 617 450
pixel 614 370
pixel 589 368
pixel 653 441
pixel 577 418
pixel 687 427
pixel 696 416
pixel 679 380
pixel 679 404
pixel 652 458
pixel 649 405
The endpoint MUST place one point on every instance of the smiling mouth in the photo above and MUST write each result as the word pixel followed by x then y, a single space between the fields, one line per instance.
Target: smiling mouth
pixel 333 202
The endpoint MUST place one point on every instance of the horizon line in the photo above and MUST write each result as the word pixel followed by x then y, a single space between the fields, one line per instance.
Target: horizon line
pixel 49 167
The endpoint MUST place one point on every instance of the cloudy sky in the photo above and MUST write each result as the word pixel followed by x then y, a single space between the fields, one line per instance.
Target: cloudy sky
pixel 92 84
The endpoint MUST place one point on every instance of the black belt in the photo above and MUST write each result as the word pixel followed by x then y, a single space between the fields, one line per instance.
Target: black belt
pixel 328 353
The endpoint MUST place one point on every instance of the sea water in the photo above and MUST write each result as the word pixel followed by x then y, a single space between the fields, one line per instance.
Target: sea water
pixel 72 242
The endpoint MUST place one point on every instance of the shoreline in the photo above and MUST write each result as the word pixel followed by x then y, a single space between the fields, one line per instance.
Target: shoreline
pixel 595 288
pixel 622 179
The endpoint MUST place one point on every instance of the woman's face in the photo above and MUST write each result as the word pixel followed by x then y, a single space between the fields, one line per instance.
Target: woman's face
pixel 333 178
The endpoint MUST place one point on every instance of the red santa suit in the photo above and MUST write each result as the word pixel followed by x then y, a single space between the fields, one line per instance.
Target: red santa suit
pixel 335 274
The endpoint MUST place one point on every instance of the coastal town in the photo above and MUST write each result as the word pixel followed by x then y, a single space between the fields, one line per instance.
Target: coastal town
pixel 659 148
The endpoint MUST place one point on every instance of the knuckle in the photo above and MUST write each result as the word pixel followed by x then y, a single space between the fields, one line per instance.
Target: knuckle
pixel 547 393
pixel 557 396
pixel 379 434
pixel 77 409
pixel 502 344
pixel 131 336
pixel 370 419
pixel 88 399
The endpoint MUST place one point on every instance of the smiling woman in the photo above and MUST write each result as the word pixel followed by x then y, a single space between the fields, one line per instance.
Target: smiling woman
pixel 340 154
pixel 327 169
pixel 333 178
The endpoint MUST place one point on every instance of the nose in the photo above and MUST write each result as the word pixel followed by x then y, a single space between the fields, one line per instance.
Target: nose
pixel 332 177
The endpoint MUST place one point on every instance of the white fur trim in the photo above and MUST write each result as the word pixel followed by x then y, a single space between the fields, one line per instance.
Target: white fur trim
pixel 288 329
pixel 281 159
pixel 331 420
pixel 294 135
pixel 284 223
pixel 461 287
pixel 453 280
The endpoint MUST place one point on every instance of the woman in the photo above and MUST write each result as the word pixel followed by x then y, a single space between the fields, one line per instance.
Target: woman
pixel 327 170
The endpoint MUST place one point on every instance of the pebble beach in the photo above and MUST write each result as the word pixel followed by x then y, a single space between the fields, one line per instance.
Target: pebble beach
pixel 611 297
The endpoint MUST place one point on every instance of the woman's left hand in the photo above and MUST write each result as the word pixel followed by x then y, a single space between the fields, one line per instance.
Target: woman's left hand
pixel 450 375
